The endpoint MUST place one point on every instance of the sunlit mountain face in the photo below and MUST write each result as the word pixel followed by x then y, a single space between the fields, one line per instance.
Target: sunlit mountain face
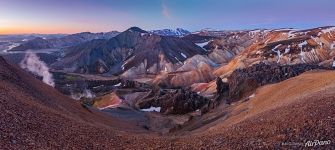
pixel 167 74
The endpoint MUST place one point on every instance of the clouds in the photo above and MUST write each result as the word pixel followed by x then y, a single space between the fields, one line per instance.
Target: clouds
pixel 165 10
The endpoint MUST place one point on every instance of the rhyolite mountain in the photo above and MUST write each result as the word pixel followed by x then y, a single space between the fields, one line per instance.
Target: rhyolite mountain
pixel 60 42
pixel 284 46
pixel 130 53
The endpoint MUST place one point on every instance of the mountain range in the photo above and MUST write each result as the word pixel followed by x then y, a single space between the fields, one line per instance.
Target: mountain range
pixel 60 42
pixel 130 53
pixel 166 89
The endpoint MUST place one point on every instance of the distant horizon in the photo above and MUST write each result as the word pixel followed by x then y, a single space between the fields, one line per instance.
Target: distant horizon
pixel 68 17
pixel 32 33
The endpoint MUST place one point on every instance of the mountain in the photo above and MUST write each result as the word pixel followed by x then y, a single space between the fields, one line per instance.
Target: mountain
pixel 131 53
pixel 286 46
pixel 179 32
pixel 69 40
pixel 36 43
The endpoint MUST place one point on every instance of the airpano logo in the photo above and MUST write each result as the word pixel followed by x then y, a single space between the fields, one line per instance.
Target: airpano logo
pixel 312 143
pixel 317 143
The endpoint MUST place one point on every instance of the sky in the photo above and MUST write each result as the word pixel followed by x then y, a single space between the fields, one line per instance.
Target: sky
pixel 73 16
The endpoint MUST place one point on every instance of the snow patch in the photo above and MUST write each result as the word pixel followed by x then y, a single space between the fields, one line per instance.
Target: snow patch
pixel 157 109
pixel 290 34
pixel 202 44
pixel 332 46
pixel 254 32
pixel 328 30
pixel 183 55
pixel 123 66
pixel 278 52
pixel 177 59
pixel 252 95
pixel 284 29
pixel 302 44
pixel 302 55
pixel 287 49
pixel 98 86
pixel 119 84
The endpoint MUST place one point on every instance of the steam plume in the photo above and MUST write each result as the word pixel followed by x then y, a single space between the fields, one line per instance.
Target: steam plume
pixel 32 63
pixel 86 94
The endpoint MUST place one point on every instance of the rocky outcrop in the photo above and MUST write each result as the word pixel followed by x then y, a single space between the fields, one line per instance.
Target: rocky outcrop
pixel 222 91
pixel 243 82
pixel 178 101
pixel 182 101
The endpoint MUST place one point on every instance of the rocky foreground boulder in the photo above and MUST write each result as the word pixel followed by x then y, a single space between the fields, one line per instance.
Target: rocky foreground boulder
pixel 182 101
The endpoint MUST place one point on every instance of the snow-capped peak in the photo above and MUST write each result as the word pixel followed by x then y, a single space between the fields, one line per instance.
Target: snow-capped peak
pixel 170 32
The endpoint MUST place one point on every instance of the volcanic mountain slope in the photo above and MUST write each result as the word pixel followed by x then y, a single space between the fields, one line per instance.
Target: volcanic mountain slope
pixel 287 46
pixel 131 53
pixel 282 47
pixel 69 40
pixel 34 116
pixel 197 69
pixel 230 43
